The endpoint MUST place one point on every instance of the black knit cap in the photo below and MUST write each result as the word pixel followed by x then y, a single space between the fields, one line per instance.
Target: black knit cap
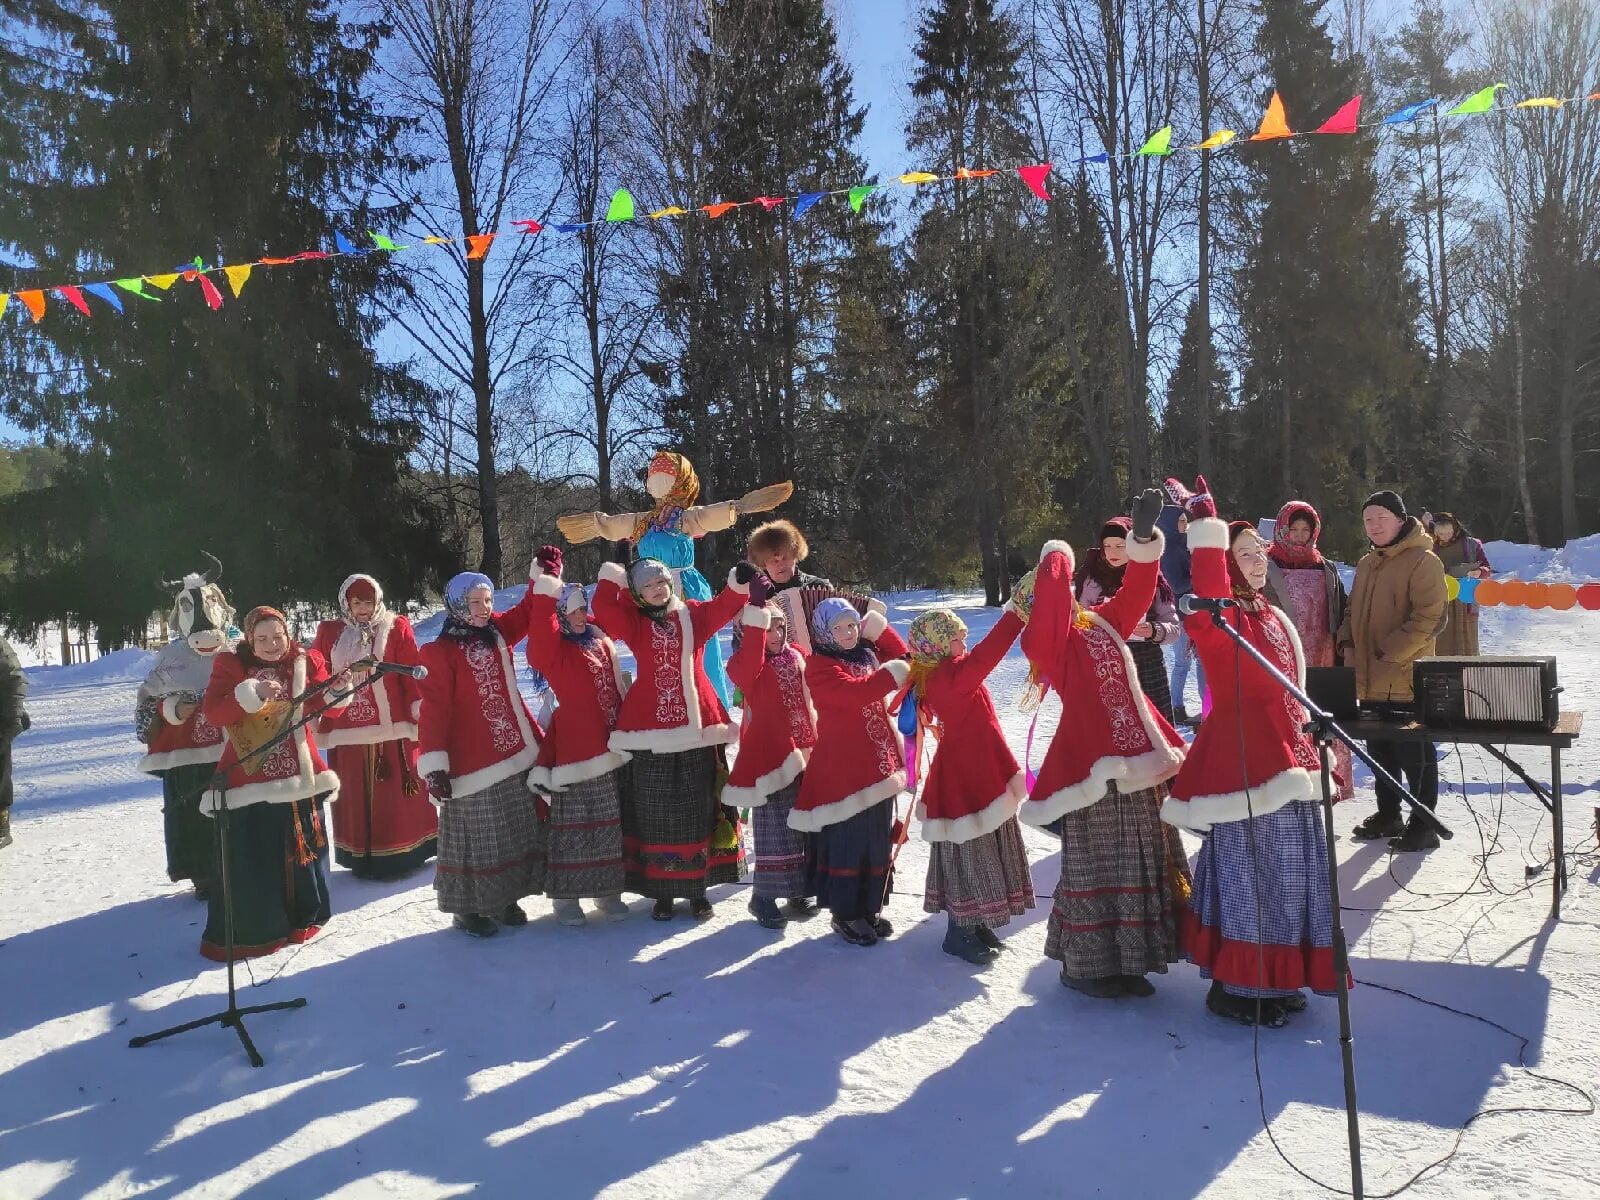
pixel 1389 500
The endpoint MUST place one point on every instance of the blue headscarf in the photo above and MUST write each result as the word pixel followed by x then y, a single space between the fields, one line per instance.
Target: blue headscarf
pixel 822 619
pixel 456 592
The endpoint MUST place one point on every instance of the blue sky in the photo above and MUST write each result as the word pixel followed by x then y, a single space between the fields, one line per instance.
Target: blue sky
pixel 876 37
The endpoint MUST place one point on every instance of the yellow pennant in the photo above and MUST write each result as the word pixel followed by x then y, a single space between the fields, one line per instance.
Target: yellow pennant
pixel 435 241
pixel 1541 102
pixel 670 211
pixel 162 281
pixel 236 278
pixel 5 299
pixel 919 177
pixel 1220 138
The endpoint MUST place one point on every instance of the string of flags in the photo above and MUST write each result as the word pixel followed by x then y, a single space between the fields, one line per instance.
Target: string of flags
pixel 1274 126
pixel 1516 593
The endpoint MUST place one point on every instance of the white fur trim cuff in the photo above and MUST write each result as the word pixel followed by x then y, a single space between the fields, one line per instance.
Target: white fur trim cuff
pixel 189 756
pixel 1055 546
pixel 873 625
pixel 815 819
pixel 275 791
pixel 874 605
pixel 733 582
pixel 433 760
pixel 1208 533
pixel 1146 552
pixel 900 669
pixel 169 710
pixel 1200 813
pixel 979 824
pixel 1136 774
pixel 774 781
pixel 611 572
pixel 546 585
pixel 554 779
pixel 248 698
pixel 755 618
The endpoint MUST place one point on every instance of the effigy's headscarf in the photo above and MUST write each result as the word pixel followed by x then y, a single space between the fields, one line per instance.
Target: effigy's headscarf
pixel 684 492
pixel 456 623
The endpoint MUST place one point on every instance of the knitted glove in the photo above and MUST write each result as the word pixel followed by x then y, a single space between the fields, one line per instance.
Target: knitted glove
pixel 1200 504
pixel 548 559
pixel 439 785
pixel 1146 508
pixel 744 572
pixel 760 590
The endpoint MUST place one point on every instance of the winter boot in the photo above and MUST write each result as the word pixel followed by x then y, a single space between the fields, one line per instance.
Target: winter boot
pixel 1294 1002
pixel 569 913
pixel 988 937
pixel 766 913
pixel 1136 985
pixel 857 932
pixel 1417 836
pixel 662 911
pixel 800 908
pixel 614 908
pixel 880 925
pixel 1109 988
pixel 513 915
pixel 1378 826
pixel 5 825
pixel 964 944
pixel 700 909
pixel 1180 716
pixel 475 925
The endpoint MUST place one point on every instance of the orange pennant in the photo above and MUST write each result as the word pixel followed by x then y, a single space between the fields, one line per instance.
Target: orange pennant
pixel 35 302
pixel 478 244
pixel 716 210
pixel 276 262
pixel 1274 124
pixel 969 173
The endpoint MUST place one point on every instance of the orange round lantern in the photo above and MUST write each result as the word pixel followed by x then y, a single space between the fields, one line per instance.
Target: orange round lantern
pixel 1589 596
pixel 1513 592
pixel 1563 596
pixel 1488 593
pixel 1538 595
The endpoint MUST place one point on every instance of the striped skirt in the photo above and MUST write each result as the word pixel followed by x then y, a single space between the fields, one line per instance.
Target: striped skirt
pixel 586 839
pixel 1151 666
pixel 491 849
pixel 985 881
pixel 1116 907
pixel 781 868
pixel 669 815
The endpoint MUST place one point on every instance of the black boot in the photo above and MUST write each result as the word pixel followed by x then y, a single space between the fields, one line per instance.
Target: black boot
pixel 662 911
pixel 988 937
pixel 1137 985
pixel 1109 988
pixel 800 908
pixel 964 944
pixel 513 915
pixel 880 925
pixel 700 909
pixel 1417 836
pixel 475 925
pixel 5 827
pixel 1378 826
pixel 766 913
pixel 857 932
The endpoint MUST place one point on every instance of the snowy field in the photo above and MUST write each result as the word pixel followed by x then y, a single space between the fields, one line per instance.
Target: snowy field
pixel 723 1060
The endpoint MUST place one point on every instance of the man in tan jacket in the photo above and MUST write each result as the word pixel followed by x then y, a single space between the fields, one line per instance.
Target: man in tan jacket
pixel 1396 611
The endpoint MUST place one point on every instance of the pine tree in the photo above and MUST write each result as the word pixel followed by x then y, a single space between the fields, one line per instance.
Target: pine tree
pixel 1184 414
pixel 228 130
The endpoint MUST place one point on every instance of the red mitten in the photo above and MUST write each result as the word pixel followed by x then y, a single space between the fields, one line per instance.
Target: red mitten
pixel 1200 504
pixel 541 805
pixel 549 560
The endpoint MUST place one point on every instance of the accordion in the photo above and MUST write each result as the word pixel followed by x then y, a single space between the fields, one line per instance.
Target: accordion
pixel 798 603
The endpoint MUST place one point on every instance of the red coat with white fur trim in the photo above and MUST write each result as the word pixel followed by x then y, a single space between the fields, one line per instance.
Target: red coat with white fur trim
pixel 587 681
pixel 780 723
pixel 295 769
pixel 857 761
pixel 671 705
pixel 1109 730
pixel 1252 755
pixel 474 723
pixel 974 784
pixel 180 743
pixel 387 710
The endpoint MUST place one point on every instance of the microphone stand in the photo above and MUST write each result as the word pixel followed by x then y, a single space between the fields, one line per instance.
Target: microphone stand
pixel 1324 729
pixel 233 1016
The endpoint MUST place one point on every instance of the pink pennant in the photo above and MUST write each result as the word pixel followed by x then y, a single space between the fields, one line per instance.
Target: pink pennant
pixel 209 291
pixel 1343 121
pixel 770 202
pixel 1034 177
pixel 75 298
pixel 529 227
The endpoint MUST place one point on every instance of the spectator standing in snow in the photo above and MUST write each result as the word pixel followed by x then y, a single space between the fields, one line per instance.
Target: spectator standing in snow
pixel 1462 556
pixel 13 720
pixel 1174 524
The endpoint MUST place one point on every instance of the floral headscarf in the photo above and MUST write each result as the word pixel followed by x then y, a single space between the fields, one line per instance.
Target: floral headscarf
pixel 932 635
pixel 1284 552
pixel 456 622
pixel 257 615
pixel 832 609
pixel 685 491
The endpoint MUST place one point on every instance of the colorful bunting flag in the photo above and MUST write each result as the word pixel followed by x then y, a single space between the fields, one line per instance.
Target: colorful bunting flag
pixel 621 208
pixel 771 202
pixel 1479 102
pixel 5 299
pixel 278 262
pixel 236 277
pixel 1343 121
pixel 135 284
pixel 384 242
pixel 859 194
pixel 103 290
pixel 919 177
pixel 1410 112
pixel 311 255
pixel 969 173
pixel 478 244
pixel 529 226
pixel 435 240
pixel 75 298
pixel 1158 143
pixel 804 202
pixel 716 210
pixel 1034 176
pixel 34 299
pixel 1102 157
pixel 672 210
pixel 209 291
pixel 577 227
pixel 1273 123
pixel 162 281
pixel 345 246
pixel 1541 102
pixel 1220 138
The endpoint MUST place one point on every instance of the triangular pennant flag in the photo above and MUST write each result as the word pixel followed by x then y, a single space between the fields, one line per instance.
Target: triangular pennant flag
pixel 1034 177
pixel 1220 138
pixel 621 206
pixel 969 173
pixel 1410 112
pixel 716 210
pixel 1095 158
pixel 576 227
pixel 672 210
pixel 384 242
pixel 804 201
pixel 1480 101
pixel 529 226
pixel 478 244
pixel 435 240
pixel 859 194
pixel 1343 121
pixel 136 286
pixel 34 300
pixel 771 202
pixel 5 299
pixel 344 245
pixel 1541 102
pixel 1273 123
pixel 75 298
pixel 162 281
pixel 919 177
pixel 236 278
pixel 311 255
pixel 278 262
pixel 105 291
pixel 1159 142
pixel 209 291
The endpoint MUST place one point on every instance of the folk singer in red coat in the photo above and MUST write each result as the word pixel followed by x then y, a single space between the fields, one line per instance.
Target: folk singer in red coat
pixel 978 867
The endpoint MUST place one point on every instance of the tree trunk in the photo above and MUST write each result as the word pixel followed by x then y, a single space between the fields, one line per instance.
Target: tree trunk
pixel 1520 431
pixel 1202 366
pixel 483 404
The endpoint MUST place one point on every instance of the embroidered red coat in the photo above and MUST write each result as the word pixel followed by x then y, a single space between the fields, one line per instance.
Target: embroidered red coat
pixel 1279 763
pixel 588 684
pixel 180 743
pixel 387 710
pixel 671 705
pixel 780 722
pixel 295 770
pixel 1109 730
pixel 857 761
pixel 474 723
pixel 974 785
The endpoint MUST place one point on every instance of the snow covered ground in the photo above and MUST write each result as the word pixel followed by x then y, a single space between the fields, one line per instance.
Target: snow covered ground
pixel 723 1060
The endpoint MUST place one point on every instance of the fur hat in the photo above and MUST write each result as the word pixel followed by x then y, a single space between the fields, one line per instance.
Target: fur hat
pixel 777 537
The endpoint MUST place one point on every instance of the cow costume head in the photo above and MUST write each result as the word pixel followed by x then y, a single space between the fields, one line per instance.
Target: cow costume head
pixel 200 612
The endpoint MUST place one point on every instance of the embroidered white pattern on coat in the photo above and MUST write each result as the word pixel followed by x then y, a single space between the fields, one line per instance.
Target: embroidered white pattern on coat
pixel 875 717
pixel 666 646
pixel 788 667
pixel 362 709
pixel 202 732
pixel 1128 734
pixel 1305 750
pixel 484 662
pixel 597 657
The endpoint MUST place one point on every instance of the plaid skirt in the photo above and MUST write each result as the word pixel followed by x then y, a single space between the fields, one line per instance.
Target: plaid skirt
pixel 781 859
pixel 1116 907
pixel 985 881
pixel 491 849
pixel 851 862
pixel 586 839
pixel 1276 864
pixel 669 815
pixel 1151 666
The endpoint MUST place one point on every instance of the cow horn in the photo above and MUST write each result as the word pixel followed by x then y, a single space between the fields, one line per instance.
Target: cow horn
pixel 166 585
pixel 215 573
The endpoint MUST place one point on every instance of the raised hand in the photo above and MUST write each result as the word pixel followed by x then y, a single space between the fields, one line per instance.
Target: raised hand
pixel 548 559
pixel 1146 508
pixel 1201 504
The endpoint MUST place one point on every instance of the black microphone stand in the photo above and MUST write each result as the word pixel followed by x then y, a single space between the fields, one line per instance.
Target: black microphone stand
pixel 233 1016
pixel 1324 729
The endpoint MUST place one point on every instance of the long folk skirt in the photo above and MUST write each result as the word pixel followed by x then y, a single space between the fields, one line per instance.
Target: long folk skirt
pixel 782 870
pixel 586 839
pixel 984 881
pixel 275 880
pixel 1151 666
pixel 381 830
pixel 1116 906
pixel 190 835
pixel 1276 864
pixel 669 816
pixel 491 849
pixel 851 865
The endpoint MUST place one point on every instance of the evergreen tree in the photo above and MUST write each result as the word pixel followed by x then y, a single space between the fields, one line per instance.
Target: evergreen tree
pixel 1179 437
pixel 228 130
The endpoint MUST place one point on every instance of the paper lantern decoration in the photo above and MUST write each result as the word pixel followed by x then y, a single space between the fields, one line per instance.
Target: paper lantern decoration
pixel 1487 593
pixel 1563 596
pixel 1513 593
pixel 1538 595
pixel 1452 587
pixel 1589 596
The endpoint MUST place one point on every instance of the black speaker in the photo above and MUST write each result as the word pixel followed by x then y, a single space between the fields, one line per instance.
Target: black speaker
pixel 1466 693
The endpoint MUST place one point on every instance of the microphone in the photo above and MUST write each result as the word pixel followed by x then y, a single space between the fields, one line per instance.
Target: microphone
pixel 386 668
pixel 1189 605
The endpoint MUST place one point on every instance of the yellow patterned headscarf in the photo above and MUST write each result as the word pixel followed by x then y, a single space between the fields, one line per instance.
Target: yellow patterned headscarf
pixel 685 491
pixel 932 634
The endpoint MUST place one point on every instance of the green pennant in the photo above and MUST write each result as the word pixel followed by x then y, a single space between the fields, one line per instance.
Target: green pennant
pixel 1160 142
pixel 1478 102
pixel 384 242
pixel 621 206
pixel 136 286
pixel 859 194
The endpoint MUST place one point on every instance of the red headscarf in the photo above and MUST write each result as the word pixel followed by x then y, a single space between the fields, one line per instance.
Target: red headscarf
pixel 1241 586
pixel 1106 577
pixel 1287 554
pixel 265 612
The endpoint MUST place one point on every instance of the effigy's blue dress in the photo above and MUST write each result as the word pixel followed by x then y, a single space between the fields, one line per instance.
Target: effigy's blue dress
pixel 666 541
